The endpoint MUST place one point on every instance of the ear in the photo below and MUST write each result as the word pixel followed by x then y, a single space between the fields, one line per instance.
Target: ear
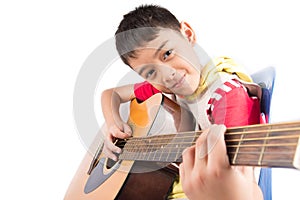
pixel 188 32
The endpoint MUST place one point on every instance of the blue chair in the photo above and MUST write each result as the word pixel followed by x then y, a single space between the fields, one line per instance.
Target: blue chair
pixel 265 78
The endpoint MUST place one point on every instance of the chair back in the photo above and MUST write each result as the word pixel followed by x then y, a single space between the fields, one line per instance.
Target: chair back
pixel 265 79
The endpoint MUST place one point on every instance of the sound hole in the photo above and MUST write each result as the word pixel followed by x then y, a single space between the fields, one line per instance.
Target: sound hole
pixel 110 163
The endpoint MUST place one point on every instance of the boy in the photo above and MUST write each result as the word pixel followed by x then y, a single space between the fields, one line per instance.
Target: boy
pixel 164 52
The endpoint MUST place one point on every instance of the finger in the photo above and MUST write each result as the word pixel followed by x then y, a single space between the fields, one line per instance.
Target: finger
pixel 182 174
pixel 117 133
pixel 188 158
pixel 201 150
pixel 127 129
pixel 109 154
pixel 216 147
pixel 108 143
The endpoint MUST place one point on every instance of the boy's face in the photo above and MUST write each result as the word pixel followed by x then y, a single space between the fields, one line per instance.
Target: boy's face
pixel 169 63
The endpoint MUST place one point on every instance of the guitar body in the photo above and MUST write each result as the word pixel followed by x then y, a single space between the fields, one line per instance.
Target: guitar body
pixel 100 178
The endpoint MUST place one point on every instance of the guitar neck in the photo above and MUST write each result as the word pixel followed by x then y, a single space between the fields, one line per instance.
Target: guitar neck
pixel 265 145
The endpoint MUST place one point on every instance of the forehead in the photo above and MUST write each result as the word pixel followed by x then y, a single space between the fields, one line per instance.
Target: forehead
pixel 166 38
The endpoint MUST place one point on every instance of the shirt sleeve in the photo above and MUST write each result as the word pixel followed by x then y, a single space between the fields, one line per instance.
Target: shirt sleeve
pixel 144 90
pixel 235 108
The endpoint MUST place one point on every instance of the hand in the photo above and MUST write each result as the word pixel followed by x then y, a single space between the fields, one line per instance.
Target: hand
pixel 119 130
pixel 206 173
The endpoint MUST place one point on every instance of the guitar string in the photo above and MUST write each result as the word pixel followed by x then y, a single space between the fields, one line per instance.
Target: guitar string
pixel 230 150
pixel 176 156
pixel 169 152
pixel 155 139
pixel 164 140
pixel 136 151
pixel 170 149
pixel 198 133
pixel 278 162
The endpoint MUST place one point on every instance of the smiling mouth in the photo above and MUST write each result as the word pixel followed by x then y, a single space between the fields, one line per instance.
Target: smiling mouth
pixel 179 83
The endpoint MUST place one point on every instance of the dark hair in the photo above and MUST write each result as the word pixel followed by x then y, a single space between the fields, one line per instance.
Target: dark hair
pixel 141 26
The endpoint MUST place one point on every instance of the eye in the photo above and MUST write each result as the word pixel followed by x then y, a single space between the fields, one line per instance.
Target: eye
pixel 150 74
pixel 167 54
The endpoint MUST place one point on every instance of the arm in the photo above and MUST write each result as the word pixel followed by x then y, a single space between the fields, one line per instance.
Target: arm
pixel 111 100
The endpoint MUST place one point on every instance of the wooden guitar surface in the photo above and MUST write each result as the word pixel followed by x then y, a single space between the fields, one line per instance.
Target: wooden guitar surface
pixel 153 183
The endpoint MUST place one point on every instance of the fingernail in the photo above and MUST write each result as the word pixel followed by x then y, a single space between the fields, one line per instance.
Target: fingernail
pixel 129 133
pixel 202 153
pixel 117 150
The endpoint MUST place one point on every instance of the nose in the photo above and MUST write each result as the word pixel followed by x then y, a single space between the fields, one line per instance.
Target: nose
pixel 169 74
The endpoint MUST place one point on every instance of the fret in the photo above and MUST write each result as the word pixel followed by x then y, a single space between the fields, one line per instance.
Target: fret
pixel 168 156
pixel 160 147
pixel 237 149
pixel 149 150
pixel 135 149
pixel 174 151
pixel 165 149
pixel 171 144
pixel 141 151
pixel 243 142
pixel 153 151
pixel 159 151
pixel 281 144
pixel 157 147
pixel 178 152
pixel 262 142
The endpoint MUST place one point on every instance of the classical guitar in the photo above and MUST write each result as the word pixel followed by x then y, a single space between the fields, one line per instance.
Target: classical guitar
pixel 145 170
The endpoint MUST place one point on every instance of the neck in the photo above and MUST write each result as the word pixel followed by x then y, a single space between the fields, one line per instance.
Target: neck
pixel 271 145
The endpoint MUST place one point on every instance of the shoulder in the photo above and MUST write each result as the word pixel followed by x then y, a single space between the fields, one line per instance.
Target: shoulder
pixel 232 105
pixel 229 88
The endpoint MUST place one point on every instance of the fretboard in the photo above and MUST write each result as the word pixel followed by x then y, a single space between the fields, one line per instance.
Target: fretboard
pixel 272 145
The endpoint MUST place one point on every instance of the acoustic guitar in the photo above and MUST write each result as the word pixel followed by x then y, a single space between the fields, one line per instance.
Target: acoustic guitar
pixel 146 168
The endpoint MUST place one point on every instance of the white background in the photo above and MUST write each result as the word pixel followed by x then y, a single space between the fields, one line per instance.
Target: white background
pixel 43 45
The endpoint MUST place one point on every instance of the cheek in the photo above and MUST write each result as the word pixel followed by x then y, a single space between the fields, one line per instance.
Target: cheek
pixel 189 64
pixel 189 56
pixel 194 80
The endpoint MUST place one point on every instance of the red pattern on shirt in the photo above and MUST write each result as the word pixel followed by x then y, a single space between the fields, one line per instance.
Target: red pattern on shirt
pixel 232 106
